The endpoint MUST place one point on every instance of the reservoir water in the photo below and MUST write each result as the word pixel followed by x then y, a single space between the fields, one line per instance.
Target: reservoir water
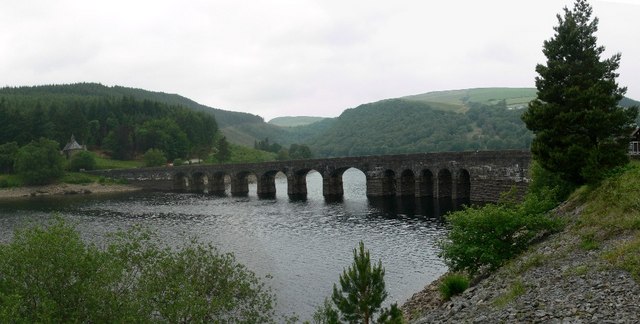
pixel 303 245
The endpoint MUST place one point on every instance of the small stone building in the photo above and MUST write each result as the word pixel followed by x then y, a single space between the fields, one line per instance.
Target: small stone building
pixel 72 148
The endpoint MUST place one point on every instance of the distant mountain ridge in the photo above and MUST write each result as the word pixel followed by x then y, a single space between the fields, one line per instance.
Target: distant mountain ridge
pixel 455 120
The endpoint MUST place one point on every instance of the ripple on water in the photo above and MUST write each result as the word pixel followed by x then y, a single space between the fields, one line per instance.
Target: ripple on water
pixel 304 245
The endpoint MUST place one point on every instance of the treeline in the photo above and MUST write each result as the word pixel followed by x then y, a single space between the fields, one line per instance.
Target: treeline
pixel 125 127
pixel 294 152
pixel 398 126
pixel 95 90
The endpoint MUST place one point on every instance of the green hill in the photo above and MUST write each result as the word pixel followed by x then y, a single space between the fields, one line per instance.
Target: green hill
pixel 397 126
pixel 293 121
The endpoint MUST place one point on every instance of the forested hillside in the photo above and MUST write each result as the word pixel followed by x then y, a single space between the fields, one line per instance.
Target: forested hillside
pixel 457 120
pixel 400 126
pixel 224 118
pixel 124 126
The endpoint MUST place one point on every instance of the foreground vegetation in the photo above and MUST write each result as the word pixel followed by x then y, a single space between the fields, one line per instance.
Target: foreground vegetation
pixel 48 274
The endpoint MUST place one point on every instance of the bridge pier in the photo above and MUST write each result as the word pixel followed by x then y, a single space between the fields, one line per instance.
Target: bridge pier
pixel 381 183
pixel 239 185
pixel 332 186
pixel 267 186
pixel 216 185
pixel 297 185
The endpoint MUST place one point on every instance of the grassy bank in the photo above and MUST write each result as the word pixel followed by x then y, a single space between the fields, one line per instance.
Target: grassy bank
pixel 610 219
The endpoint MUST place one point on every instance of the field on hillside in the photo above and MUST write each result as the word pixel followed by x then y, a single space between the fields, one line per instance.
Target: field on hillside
pixel 455 100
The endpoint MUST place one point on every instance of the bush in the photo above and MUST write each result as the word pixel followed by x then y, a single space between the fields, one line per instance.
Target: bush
pixel 453 284
pixel 78 178
pixel 10 181
pixel 545 180
pixel 82 160
pixel 50 275
pixel 178 162
pixel 154 157
pixel 490 235
pixel 39 162
pixel 8 152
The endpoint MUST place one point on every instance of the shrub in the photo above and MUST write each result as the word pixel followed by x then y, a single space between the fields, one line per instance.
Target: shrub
pixel 77 178
pixel 154 157
pixel 8 152
pixel 39 162
pixel 50 275
pixel 453 284
pixel 10 181
pixel 82 160
pixel 490 235
pixel 178 162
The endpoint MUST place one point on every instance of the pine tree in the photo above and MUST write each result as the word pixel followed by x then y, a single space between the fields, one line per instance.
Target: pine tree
pixel 362 291
pixel 224 151
pixel 580 131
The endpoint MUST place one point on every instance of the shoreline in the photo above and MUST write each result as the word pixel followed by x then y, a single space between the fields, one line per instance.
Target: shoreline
pixel 63 189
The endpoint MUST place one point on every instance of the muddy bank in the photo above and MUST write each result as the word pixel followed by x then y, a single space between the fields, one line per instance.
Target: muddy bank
pixel 63 189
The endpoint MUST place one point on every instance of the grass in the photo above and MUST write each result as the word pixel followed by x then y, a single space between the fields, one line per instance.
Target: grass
pixel 10 181
pixel 103 163
pixel 534 260
pixel 614 207
pixel 612 210
pixel 627 257
pixel 241 154
pixel 576 271
pixel 453 284
pixel 78 178
pixel 516 290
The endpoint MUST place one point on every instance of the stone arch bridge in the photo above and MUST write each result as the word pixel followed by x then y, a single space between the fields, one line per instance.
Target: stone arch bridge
pixel 477 176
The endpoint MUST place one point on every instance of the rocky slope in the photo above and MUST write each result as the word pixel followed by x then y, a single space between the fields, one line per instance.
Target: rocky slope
pixel 566 278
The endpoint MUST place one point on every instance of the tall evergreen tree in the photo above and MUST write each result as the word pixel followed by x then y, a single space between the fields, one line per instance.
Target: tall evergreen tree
pixel 362 291
pixel 224 151
pixel 580 131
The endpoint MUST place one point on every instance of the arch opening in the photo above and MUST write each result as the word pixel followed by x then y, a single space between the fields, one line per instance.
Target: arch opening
pixel 180 182
pixel 425 184
pixel 200 183
pixel 219 183
pixel 444 189
pixel 347 181
pixel 463 185
pixel 407 184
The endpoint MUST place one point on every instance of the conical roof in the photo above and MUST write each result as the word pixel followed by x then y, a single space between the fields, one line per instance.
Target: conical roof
pixel 72 145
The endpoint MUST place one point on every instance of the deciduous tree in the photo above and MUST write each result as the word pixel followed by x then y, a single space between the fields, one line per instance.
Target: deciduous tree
pixel 39 162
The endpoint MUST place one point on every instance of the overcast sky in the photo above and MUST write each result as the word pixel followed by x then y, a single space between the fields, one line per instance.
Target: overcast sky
pixel 295 57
